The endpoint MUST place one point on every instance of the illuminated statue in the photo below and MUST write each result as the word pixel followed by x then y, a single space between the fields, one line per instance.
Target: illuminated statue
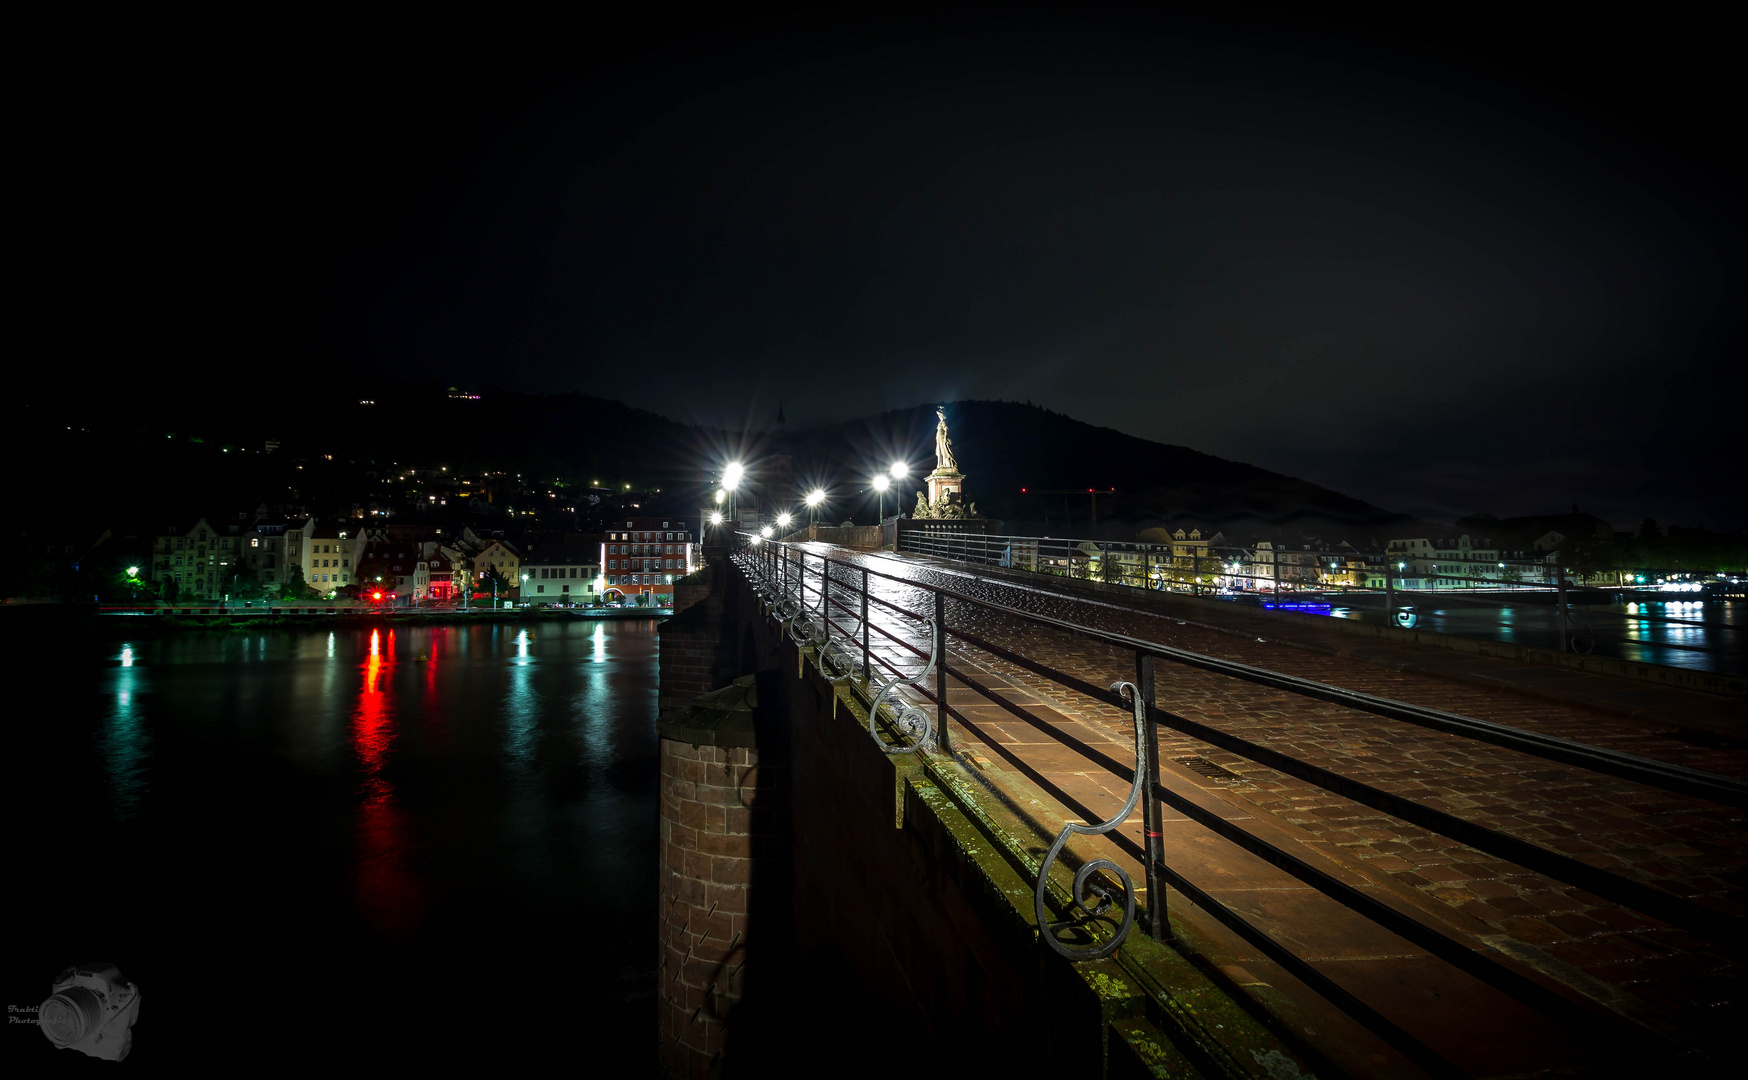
pixel 943 446
pixel 946 498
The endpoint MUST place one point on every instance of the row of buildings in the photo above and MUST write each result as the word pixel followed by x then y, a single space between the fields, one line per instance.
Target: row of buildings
pixel 212 558
pixel 1191 560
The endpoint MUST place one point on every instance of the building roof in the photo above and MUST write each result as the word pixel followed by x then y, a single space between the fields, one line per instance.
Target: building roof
pixel 565 555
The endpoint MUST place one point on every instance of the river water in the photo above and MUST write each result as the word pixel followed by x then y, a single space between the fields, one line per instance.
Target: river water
pixel 419 845
pixel 1705 635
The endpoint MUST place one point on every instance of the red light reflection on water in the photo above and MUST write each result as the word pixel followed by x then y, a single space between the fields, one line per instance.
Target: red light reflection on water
pixel 388 894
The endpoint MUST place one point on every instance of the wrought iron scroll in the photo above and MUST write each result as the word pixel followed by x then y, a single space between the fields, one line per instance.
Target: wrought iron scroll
pixel 910 720
pixel 1082 879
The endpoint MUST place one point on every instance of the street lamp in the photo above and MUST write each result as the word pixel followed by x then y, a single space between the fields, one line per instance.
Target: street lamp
pixel 731 478
pixel 814 498
pixel 881 483
pixel 524 587
pixel 783 519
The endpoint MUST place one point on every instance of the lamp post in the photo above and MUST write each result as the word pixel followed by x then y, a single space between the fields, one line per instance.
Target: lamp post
pixel 731 477
pixel 881 483
pixel 814 498
pixel 524 587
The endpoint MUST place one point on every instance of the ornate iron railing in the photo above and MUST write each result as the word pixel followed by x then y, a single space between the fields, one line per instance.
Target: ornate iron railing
pixel 827 604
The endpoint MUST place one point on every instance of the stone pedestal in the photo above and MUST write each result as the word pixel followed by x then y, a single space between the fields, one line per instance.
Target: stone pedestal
pixel 943 482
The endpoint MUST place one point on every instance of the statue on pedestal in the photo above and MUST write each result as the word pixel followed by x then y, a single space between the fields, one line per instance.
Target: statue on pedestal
pixel 943 446
pixel 945 498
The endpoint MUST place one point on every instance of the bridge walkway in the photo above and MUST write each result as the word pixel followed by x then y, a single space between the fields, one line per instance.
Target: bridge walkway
pixel 1616 960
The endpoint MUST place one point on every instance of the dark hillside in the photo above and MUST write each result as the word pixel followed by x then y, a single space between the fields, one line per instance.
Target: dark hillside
pixel 1005 446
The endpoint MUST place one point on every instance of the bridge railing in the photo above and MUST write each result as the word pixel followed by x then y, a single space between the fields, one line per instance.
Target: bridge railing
pixel 836 606
pixel 1291 578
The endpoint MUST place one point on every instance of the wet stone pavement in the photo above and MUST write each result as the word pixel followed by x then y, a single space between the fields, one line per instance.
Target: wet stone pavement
pixel 1659 976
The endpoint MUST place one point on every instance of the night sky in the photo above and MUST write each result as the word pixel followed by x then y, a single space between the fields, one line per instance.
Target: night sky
pixel 1446 269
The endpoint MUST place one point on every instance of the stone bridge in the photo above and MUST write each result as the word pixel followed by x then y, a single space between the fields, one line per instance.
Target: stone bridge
pixel 1347 854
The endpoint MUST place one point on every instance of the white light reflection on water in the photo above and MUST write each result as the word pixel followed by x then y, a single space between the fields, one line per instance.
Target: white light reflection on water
pixel 591 708
pixel 521 712
pixel 124 743
pixel 525 806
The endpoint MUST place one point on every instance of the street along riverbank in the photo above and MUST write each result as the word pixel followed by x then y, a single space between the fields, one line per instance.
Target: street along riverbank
pixel 91 622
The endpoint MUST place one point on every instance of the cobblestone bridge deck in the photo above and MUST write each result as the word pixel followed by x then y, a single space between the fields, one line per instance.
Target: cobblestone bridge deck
pixel 1672 986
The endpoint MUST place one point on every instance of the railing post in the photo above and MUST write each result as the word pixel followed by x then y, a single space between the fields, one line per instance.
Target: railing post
pixel 941 671
pixel 1147 761
pixel 867 673
pixel 1561 607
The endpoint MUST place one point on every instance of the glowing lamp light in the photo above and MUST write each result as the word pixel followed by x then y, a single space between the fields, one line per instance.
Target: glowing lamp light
pixel 881 482
pixel 731 475
pixel 716 518
pixel 815 497
pixel 720 496
pixel 133 571
pixel 898 470
pixel 764 530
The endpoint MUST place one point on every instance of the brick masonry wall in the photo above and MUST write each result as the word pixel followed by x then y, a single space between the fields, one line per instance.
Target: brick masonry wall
pixel 708 826
pixel 882 921
pixel 699 649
